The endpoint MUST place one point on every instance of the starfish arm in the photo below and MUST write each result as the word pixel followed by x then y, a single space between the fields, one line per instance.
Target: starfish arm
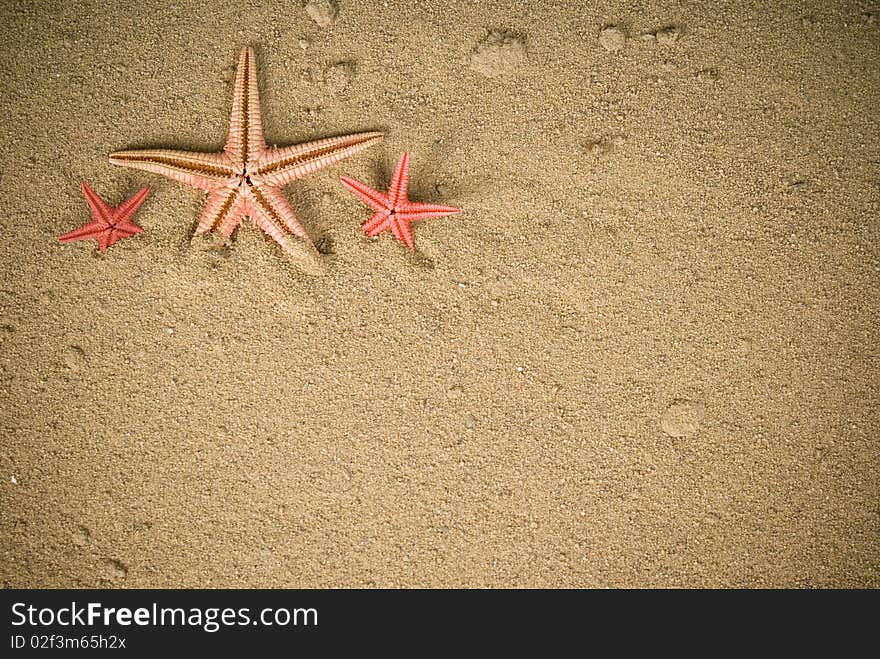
pixel 401 230
pixel 245 127
pixel 414 210
pixel 276 206
pixel 378 219
pixel 281 166
pixel 236 213
pixel 379 227
pixel 114 235
pixel 105 239
pixel 126 211
pixel 218 207
pixel 205 171
pixel 372 198
pixel 101 210
pixel 270 225
pixel 127 230
pixel 90 230
pixel 399 181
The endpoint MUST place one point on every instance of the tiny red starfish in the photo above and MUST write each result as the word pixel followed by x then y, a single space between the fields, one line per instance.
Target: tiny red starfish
pixel 394 212
pixel 109 224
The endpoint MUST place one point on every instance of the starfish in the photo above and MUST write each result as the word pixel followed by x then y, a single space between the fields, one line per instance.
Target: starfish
pixel 394 212
pixel 245 179
pixel 109 225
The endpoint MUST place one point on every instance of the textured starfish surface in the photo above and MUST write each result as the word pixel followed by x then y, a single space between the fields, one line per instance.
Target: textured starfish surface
pixel 109 224
pixel 394 212
pixel 245 179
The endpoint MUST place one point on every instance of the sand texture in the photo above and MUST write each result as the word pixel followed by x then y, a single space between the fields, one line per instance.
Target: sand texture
pixel 645 354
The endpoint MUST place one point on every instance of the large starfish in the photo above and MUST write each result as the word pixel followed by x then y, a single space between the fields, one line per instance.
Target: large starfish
pixel 394 212
pixel 245 179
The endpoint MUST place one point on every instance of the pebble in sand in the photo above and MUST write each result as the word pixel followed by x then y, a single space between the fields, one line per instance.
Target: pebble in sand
pixel 612 39
pixel 682 418
pixel 323 12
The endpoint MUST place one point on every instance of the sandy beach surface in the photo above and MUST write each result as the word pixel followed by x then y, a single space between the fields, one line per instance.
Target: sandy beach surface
pixel 644 355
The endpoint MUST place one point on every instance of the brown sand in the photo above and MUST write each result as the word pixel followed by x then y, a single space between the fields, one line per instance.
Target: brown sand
pixel 645 355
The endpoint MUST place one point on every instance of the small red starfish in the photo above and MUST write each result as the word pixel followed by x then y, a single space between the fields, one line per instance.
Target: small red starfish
pixel 108 224
pixel 394 212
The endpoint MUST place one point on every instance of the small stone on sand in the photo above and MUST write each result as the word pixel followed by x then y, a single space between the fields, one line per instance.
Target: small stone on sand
pixel 74 358
pixel 498 54
pixel 323 12
pixel 114 570
pixel 682 418
pixel 81 536
pixel 598 147
pixel 706 75
pixel 454 392
pixel 612 39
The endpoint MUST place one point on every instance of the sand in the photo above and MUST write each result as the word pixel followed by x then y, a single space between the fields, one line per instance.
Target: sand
pixel 645 354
